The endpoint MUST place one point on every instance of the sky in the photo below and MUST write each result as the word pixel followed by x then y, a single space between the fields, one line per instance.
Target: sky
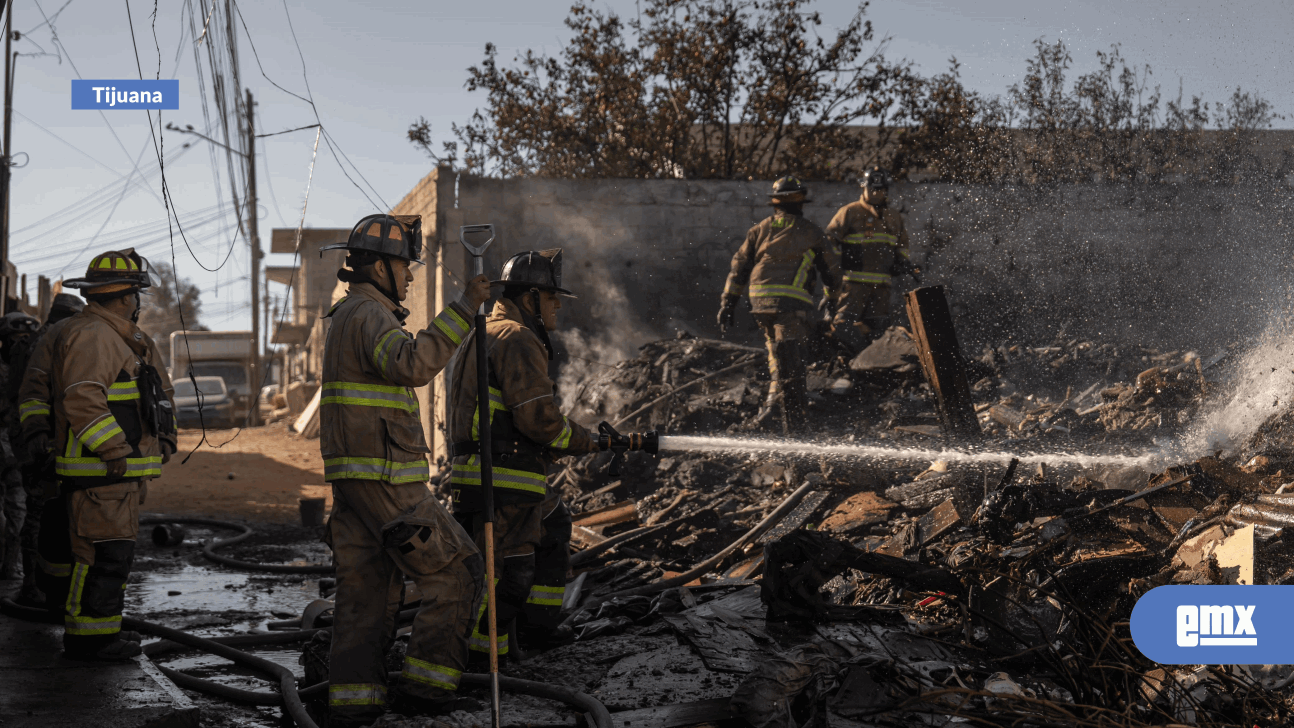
pixel 374 68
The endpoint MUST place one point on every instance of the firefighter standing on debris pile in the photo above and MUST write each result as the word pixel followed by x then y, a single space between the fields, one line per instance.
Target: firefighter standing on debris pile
pixel 776 265
pixel 36 423
pixel 532 525
pixel 114 427
pixel 16 328
pixel 385 522
pixel 873 246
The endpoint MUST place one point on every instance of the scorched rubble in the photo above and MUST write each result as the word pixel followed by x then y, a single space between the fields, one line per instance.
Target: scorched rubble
pixel 903 592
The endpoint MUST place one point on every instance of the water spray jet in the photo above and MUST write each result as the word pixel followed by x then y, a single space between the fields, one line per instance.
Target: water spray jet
pixel 876 452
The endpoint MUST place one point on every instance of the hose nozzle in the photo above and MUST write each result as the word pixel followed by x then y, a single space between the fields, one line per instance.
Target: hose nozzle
pixel 610 439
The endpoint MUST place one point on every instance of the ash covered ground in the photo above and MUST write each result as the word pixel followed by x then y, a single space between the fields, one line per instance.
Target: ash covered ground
pixel 881 575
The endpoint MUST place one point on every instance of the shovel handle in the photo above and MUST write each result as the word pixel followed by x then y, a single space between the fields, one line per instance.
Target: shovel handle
pixel 477 251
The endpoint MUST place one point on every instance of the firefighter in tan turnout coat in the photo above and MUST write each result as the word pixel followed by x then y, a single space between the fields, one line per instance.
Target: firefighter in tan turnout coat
pixel 385 523
pixel 113 428
pixel 532 526
pixel 873 246
pixel 776 267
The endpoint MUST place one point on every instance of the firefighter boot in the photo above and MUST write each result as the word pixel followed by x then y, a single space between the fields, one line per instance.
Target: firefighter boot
pixel 772 410
pixel 794 397
pixel 853 337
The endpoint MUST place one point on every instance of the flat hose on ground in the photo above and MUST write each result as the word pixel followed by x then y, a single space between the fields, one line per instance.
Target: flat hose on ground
pixel 289 698
pixel 209 549
pixel 287 681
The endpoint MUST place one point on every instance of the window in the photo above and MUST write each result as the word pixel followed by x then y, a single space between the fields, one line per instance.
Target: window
pixel 211 386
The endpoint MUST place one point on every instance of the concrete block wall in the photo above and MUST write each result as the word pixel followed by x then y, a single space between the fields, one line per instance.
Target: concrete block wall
pixel 1177 267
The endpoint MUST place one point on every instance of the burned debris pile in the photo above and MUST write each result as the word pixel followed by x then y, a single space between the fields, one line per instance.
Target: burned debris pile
pixel 900 591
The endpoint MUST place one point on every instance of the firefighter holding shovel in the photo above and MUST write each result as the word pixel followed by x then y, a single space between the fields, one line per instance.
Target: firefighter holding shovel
pixel 385 522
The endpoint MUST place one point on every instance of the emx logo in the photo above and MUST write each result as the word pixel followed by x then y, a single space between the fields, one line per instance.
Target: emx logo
pixel 1215 625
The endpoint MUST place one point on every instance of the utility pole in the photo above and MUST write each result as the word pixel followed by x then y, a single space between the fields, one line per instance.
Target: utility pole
pixel 7 157
pixel 256 260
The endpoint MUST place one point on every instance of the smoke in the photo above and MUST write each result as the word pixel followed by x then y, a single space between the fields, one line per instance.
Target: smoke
pixel 603 327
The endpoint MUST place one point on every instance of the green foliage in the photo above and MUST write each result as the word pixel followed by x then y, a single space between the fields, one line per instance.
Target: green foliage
pixel 749 89
pixel 161 311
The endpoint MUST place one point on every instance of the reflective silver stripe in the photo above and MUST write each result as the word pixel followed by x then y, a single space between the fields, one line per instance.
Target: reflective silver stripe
pixel 546 596
pixel 451 325
pixel 357 694
pixel 369 395
pixel 376 469
pixel 431 674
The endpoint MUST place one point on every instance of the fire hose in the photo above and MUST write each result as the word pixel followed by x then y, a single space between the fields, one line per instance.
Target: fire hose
pixel 209 548
pixel 290 697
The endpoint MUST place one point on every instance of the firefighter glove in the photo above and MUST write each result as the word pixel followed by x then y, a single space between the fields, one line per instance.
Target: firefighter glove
pixel 116 468
pixel 828 304
pixel 477 293
pixel 727 312
pixel 38 447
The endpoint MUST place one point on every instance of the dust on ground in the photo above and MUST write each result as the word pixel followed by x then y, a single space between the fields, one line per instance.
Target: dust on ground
pixel 271 468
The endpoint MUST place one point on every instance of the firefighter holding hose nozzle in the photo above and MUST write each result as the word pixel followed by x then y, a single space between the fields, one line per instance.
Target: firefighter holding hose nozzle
pixel 532 525
pixel 385 522
pixel 776 266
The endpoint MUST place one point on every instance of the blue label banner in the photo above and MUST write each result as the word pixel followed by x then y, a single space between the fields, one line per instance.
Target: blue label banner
pixel 1215 625
pixel 126 94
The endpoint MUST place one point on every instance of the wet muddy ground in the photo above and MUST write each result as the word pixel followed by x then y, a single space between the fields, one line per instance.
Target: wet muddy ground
pixel 177 587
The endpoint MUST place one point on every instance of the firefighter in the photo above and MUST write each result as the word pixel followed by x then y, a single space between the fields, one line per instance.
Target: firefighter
pixel 36 425
pixel 385 522
pixel 114 427
pixel 872 244
pixel 16 328
pixel 532 526
pixel 776 266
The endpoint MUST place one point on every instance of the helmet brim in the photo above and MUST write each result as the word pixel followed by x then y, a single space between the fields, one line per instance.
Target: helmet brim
pixel 348 246
pixel 84 283
pixel 551 289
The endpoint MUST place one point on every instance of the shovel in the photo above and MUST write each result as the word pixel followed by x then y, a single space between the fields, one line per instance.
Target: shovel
pixel 487 470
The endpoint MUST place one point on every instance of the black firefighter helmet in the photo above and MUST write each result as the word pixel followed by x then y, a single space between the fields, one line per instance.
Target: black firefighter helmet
pixel 395 236
pixel 540 269
pixel 114 272
pixel 788 189
pixel 875 179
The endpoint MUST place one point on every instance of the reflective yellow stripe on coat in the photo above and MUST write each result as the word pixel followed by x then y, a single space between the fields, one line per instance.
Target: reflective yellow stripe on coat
pixel 376 469
pixel 469 473
pixel 369 395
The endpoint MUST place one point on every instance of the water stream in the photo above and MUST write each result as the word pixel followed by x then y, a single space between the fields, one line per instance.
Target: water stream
pixel 878 452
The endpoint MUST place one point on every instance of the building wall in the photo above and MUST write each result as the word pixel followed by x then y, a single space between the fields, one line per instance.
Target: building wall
pixel 1177 267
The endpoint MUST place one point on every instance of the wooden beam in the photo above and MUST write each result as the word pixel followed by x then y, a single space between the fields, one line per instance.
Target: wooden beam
pixel 942 361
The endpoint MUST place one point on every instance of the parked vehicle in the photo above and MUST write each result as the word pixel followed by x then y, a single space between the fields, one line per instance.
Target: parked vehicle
pixel 217 405
pixel 224 354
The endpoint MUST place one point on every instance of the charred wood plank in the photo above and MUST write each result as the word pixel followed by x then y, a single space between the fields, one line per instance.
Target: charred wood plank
pixel 942 361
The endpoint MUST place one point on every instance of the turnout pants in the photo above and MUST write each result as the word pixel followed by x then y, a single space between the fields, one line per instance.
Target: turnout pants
pixel 531 559
pixel 37 495
pixel 102 524
pixel 784 333
pixel 380 533
pixel 862 313
pixel 15 516
pixel 54 553
pixel 543 606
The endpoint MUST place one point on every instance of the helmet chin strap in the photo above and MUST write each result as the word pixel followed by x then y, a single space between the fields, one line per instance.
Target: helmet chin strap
pixel 139 306
pixel 394 293
pixel 536 322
